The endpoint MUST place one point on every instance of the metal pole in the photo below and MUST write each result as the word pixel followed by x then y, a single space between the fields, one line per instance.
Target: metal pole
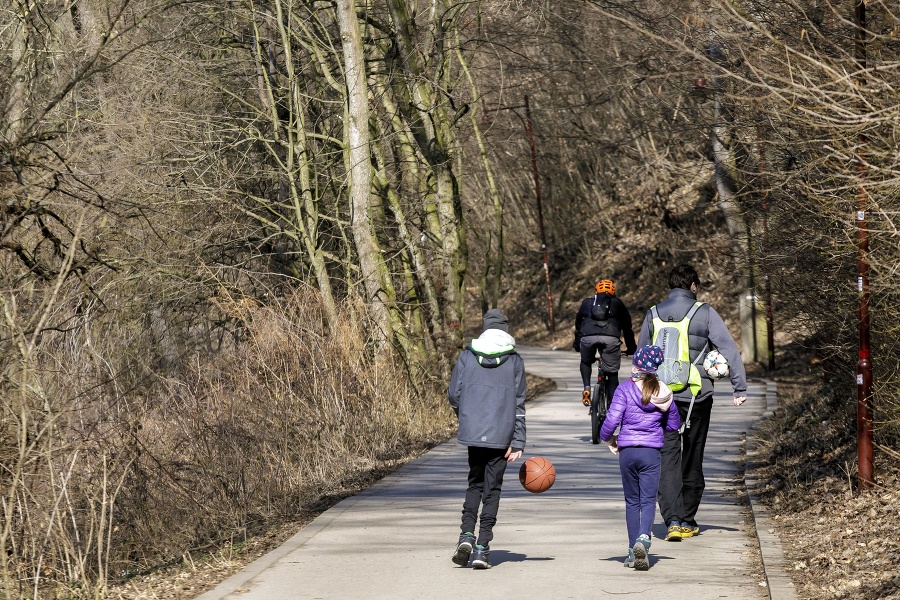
pixel 864 365
pixel 540 213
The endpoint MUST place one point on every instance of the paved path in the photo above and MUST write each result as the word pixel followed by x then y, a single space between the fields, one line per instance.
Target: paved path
pixel 395 539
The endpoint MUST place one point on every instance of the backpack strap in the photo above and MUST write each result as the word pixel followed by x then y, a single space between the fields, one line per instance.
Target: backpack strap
pixel 690 315
pixel 687 420
pixel 693 311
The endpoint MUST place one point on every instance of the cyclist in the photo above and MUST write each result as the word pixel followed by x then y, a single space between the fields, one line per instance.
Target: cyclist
pixel 600 324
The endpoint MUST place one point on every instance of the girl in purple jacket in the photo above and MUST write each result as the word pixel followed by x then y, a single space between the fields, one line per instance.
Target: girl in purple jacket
pixel 642 409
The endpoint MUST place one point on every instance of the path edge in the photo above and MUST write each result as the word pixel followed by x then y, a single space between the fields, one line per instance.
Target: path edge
pixel 771 550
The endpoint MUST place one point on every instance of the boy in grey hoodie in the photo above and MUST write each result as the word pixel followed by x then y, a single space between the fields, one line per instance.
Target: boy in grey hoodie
pixel 487 393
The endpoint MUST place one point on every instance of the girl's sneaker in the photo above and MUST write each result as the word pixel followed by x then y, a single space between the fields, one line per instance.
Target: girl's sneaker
pixel 629 560
pixel 639 551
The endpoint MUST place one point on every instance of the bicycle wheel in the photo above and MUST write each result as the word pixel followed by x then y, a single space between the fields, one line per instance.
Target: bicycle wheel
pixel 599 414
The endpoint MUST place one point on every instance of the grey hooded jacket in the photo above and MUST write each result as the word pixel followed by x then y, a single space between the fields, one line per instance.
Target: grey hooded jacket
pixel 706 329
pixel 487 393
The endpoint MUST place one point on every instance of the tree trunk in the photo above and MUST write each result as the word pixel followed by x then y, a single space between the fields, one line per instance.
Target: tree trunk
pixel 360 170
pixel 15 108
pixel 291 147
pixel 493 270
pixel 726 186
pixel 432 133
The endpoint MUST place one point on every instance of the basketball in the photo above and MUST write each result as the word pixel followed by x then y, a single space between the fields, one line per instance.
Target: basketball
pixel 537 474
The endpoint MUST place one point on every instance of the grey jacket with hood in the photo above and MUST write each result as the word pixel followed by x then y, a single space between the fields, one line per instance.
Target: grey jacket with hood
pixel 487 393
pixel 706 329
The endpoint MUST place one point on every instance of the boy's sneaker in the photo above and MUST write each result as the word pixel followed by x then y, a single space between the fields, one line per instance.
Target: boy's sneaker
pixel 480 557
pixel 675 532
pixel 639 551
pixel 463 549
pixel 629 560
pixel 689 529
pixel 586 397
pixel 645 540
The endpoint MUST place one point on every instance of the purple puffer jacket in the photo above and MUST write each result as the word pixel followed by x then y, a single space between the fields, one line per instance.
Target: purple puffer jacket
pixel 642 425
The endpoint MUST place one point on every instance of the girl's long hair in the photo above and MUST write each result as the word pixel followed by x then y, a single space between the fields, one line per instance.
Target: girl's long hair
pixel 649 387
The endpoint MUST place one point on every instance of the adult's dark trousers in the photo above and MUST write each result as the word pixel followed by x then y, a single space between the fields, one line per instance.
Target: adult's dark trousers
pixel 610 350
pixel 681 481
pixel 486 469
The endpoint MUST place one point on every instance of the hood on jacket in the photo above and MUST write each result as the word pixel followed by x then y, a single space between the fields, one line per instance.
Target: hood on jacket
pixel 662 399
pixel 493 347
pixel 495 319
pixel 659 401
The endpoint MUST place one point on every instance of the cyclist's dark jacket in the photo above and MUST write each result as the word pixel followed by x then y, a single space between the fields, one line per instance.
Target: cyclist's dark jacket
pixel 487 392
pixel 618 325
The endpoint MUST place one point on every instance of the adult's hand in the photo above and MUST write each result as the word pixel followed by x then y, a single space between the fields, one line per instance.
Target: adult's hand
pixel 738 400
pixel 511 455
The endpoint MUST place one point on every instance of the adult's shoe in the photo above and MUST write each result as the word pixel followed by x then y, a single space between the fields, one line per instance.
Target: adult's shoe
pixel 674 533
pixel 689 529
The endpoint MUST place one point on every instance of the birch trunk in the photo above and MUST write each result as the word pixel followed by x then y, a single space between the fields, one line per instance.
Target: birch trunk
pixel 360 168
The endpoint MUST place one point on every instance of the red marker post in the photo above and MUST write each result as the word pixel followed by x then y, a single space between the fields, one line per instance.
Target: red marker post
pixel 864 429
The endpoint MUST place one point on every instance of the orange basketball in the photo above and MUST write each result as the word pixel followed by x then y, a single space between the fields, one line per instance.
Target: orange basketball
pixel 537 474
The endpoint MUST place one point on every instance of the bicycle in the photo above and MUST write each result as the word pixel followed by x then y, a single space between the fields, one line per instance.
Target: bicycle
pixel 599 405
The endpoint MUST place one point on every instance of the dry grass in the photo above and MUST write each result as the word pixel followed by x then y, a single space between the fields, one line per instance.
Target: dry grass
pixel 105 480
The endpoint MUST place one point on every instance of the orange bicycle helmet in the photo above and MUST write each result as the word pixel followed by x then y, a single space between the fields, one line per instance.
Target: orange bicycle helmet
pixel 606 285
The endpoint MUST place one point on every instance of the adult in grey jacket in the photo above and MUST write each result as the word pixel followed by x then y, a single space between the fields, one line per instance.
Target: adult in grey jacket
pixel 487 392
pixel 681 481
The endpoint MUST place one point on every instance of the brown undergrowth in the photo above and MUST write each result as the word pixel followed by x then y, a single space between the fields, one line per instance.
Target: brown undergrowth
pixel 839 544
pixel 108 480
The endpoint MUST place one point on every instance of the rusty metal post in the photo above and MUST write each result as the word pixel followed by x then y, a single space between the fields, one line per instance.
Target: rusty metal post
pixel 540 213
pixel 864 430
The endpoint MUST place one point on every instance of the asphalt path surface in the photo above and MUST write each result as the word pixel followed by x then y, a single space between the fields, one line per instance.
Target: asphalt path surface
pixel 395 539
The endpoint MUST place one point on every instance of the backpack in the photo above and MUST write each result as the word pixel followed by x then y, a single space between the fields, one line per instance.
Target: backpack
pixel 676 371
pixel 601 307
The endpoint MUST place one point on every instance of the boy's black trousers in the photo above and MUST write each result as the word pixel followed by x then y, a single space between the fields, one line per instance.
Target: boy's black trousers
pixel 486 469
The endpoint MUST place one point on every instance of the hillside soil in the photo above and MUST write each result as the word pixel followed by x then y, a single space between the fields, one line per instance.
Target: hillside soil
pixel 838 543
